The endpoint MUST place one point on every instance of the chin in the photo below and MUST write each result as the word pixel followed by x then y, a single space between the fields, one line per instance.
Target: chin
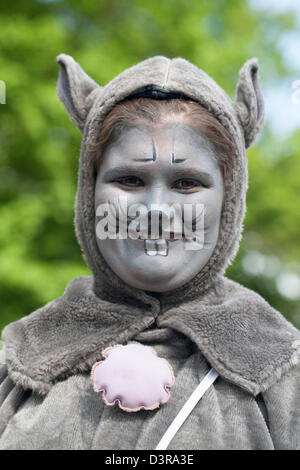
pixel 158 281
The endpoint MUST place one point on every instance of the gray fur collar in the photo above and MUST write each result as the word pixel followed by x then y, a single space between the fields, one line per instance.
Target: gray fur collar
pixel 239 333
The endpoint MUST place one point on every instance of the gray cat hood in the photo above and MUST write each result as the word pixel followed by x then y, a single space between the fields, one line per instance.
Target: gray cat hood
pixel 88 104
pixel 247 341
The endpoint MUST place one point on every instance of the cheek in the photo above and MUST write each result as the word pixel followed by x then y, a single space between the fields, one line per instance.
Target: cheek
pixel 105 193
pixel 212 199
pixel 213 204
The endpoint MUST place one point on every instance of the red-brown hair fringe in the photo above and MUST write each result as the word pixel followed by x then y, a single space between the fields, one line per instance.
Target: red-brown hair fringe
pixel 154 113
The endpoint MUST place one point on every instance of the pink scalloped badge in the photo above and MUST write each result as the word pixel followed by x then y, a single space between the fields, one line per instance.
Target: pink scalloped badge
pixel 133 376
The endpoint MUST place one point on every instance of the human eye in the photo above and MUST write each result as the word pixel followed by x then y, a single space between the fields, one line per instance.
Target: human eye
pixel 129 181
pixel 187 185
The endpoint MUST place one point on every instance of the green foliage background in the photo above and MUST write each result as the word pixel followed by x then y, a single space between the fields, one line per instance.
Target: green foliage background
pixel 40 147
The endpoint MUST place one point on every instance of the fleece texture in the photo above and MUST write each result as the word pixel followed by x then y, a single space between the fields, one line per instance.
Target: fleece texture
pixel 221 324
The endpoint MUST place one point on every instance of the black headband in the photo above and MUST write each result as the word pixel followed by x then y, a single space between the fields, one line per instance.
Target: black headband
pixel 156 92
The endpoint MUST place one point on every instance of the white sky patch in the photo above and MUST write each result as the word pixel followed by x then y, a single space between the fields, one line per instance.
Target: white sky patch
pixel 288 285
pixel 278 6
pixel 282 114
pixel 282 110
pixel 258 264
pixel 254 263
pixel 287 281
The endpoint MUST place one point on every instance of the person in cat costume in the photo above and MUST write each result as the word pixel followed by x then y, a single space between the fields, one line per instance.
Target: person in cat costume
pixel 162 131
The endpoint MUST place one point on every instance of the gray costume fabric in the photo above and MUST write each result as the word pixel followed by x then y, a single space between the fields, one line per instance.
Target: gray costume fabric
pixel 46 396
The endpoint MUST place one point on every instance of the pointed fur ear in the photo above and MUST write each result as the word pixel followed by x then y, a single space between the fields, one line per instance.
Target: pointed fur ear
pixel 75 89
pixel 249 102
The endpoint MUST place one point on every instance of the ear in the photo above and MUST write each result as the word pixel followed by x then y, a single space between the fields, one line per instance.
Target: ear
pixel 75 89
pixel 249 102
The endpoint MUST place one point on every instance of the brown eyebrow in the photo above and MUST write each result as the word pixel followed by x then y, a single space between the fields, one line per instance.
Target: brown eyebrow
pixel 116 171
pixel 178 171
pixel 190 172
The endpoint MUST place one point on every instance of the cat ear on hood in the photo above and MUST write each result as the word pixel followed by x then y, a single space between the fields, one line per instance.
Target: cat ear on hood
pixel 75 89
pixel 249 102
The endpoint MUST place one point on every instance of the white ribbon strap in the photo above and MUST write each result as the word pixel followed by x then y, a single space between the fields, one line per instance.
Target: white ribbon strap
pixel 187 409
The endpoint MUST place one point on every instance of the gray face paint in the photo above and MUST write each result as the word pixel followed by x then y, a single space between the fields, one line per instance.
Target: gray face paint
pixel 170 165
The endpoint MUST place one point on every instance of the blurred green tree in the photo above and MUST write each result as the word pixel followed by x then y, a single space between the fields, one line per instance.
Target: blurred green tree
pixel 40 146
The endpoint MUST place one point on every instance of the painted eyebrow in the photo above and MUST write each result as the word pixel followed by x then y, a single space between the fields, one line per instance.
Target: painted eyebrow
pixel 154 153
pixel 176 160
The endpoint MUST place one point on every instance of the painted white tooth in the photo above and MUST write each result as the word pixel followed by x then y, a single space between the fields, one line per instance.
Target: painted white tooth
pixel 162 247
pixel 150 248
